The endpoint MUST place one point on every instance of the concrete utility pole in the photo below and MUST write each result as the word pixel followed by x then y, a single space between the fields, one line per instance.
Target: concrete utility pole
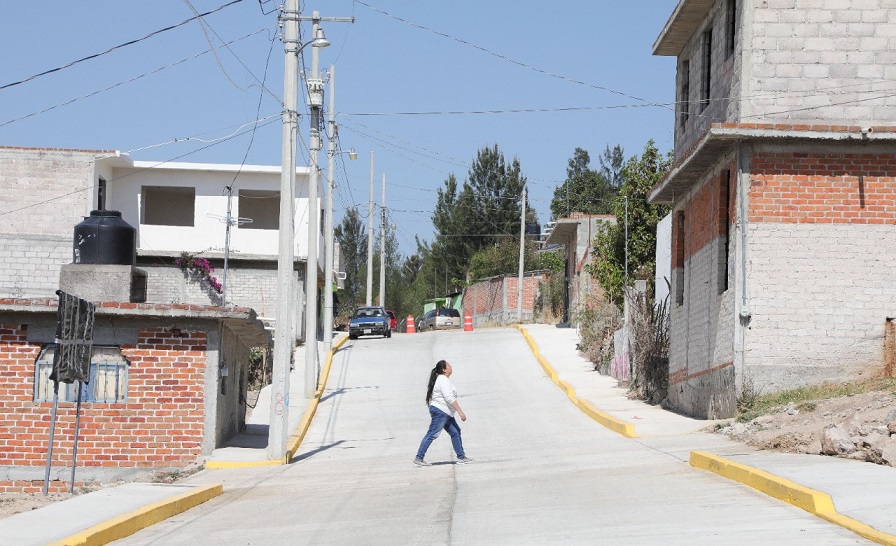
pixel 315 101
pixel 328 223
pixel 369 299
pixel 383 246
pixel 283 335
pixel 519 289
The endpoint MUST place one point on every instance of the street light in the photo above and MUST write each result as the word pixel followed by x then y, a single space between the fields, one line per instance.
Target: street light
pixel 283 335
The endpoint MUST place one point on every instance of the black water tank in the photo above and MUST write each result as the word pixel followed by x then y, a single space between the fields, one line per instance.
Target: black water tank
pixel 104 238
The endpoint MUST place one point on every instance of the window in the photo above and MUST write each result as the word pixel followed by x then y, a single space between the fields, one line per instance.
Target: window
pixel 679 259
pixel 731 24
pixel 725 228
pixel 101 194
pixel 168 206
pixel 262 207
pixel 707 68
pixel 685 95
pixel 108 377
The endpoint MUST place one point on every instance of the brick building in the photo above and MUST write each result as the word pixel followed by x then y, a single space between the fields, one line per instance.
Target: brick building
pixel 166 387
pixel 783 193
pixel 175 207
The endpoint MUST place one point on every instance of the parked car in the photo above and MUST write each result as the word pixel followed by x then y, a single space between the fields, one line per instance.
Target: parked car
pixel 393 320
pixel 369 321
pixel 441 318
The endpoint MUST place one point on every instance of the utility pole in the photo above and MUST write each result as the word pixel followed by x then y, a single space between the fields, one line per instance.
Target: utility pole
pixel 230 221
pixel 283 335
pixel 369 299
pixel 383 246
pixel 328 224
pixel 333 133
pixel 315 101
pixel 519 289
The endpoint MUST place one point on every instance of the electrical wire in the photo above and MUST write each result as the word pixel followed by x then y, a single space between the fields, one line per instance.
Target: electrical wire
pixel 114 48
pixel 125 82
pixel 506 58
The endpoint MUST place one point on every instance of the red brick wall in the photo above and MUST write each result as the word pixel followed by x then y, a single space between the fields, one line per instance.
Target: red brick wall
pixel 486 298
pixel 705 216
pixel 160 425
pixel 791 187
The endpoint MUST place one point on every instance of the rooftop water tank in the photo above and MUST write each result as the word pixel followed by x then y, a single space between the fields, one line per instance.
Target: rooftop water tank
pixel 104 238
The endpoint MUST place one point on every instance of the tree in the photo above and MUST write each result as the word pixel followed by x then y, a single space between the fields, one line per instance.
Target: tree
pixel 483 212
pixel 611 162
pixel 352 237
pixel 638 176
pixel 586 190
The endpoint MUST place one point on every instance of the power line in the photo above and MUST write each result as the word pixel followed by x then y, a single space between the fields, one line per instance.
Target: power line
pixel 125 82
pixel 119 46
pixel 506 58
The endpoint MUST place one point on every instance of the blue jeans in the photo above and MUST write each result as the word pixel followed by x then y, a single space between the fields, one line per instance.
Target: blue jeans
pixel 441 420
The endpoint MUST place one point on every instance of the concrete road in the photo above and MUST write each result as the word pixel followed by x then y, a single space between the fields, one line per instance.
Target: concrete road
pixel 544 473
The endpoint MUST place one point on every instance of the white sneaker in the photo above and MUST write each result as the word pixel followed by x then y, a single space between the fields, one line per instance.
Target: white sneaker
pixel 464 460
pixel 421 462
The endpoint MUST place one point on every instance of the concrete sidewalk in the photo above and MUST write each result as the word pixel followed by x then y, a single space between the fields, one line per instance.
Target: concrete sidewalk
pixel 858 496
pixel 108 514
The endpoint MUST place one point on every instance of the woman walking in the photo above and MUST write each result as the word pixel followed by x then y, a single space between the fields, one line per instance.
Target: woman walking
pixel 441 397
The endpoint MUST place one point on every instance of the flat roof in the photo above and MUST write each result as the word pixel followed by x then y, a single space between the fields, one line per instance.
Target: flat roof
pixel 681 26
pixel 722 138
pixel 214 167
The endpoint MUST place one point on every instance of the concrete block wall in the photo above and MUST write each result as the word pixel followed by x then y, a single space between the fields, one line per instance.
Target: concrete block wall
pixel 820 61
pixel 30 264
pixel 160 425
pixel 253 287
pixel 723 104
pixel 44 194
pixel 822 267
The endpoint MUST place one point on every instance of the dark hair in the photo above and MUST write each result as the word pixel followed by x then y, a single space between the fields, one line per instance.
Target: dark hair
pixel 437 371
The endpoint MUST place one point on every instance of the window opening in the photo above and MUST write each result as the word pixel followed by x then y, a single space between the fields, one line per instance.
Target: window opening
pixel 168 206
pixel 707 68
pixel 262 206
pixel 101 194
pixel 724 211
pixel 685 95
pixel 732 25
pixel 680 257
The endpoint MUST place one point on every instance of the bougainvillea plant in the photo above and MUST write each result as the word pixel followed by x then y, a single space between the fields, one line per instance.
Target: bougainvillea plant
pixel 199 267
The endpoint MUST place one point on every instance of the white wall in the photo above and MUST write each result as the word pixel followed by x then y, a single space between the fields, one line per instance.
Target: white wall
pixel 208 230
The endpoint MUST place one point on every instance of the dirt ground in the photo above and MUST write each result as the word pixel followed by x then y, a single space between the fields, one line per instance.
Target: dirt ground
pixel 800 428
pixel 793 429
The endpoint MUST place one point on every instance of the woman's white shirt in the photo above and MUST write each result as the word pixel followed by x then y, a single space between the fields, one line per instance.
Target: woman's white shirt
pixel 443 394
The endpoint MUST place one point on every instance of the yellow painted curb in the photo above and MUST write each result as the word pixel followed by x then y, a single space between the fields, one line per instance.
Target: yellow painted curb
pixel 128 524
pixel 305 423
pixel 616 425
pixel 295 440
pixel 815 502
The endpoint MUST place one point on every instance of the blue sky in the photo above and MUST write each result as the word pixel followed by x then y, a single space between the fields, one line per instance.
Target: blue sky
pixel 424 66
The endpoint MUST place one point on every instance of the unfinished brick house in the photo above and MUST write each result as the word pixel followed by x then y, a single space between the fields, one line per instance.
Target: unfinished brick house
pixel 166 388
pixel 783 193
pixel 169 374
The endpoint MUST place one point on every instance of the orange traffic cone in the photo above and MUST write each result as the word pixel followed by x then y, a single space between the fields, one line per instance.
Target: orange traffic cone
pixel 468 322
pixel 410 328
